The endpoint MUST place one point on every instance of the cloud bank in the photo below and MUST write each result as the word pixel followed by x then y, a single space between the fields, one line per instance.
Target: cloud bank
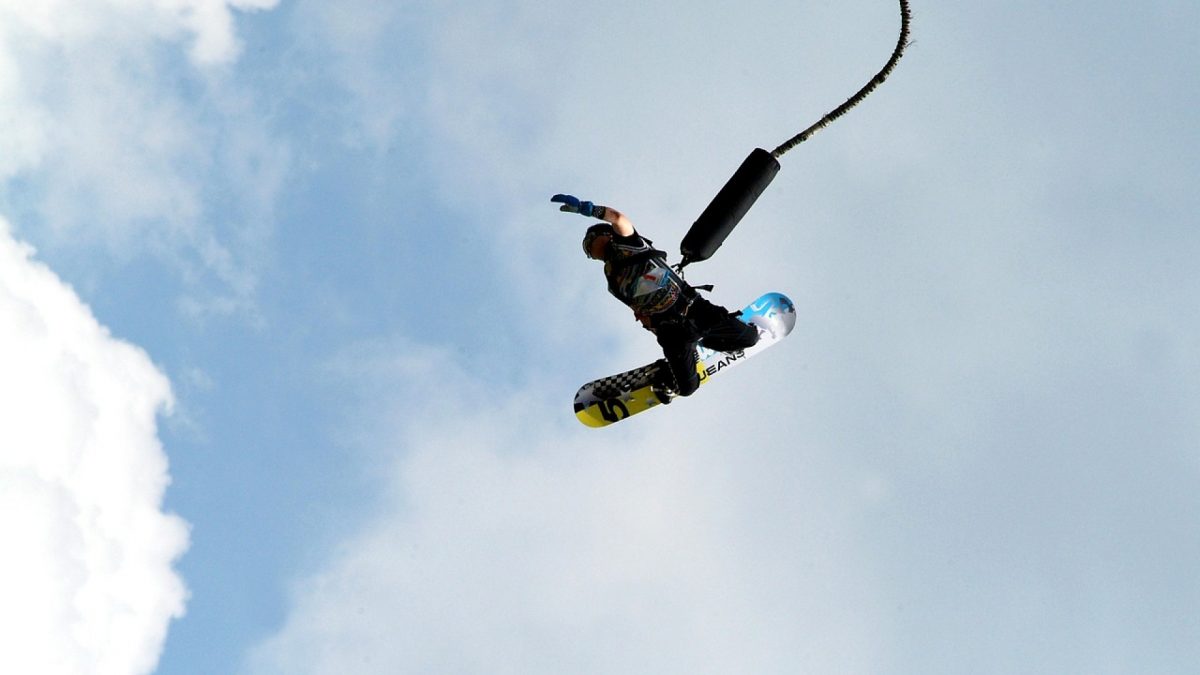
pixel 86 574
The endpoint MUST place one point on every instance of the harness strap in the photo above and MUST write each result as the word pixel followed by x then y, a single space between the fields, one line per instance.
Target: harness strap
pixel 638 257
pixel 688 292
pixel 616 266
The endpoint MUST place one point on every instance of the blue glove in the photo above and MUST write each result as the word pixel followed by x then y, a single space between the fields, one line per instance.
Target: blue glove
pixel 571 204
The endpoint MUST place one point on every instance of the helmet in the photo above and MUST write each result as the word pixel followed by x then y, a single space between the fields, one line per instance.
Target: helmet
pixel 595 232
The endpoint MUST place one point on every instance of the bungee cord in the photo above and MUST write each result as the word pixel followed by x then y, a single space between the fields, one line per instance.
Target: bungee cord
pixel 758 170
pixel 901 43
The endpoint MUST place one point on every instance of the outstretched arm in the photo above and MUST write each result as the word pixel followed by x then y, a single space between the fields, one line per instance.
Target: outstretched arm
pixel 622 225
pixel 571 204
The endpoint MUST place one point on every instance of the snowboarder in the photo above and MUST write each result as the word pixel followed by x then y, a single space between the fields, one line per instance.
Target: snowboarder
pixel 666 305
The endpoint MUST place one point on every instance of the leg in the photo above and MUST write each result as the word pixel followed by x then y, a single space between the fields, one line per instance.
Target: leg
pixel 678 342
pixel 722 330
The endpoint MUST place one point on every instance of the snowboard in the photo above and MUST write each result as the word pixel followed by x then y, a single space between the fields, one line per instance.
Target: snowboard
pixel 611 399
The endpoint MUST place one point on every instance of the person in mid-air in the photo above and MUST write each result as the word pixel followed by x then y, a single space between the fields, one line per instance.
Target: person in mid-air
pixel 638 275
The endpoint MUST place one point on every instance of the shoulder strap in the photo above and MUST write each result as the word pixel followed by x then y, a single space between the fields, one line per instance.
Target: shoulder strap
pixel 636 258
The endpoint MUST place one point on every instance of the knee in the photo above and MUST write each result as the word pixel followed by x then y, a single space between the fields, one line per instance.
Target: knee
pixel 745 336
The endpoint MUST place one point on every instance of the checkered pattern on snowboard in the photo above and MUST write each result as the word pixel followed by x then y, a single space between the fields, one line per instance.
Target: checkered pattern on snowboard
pixel 616 386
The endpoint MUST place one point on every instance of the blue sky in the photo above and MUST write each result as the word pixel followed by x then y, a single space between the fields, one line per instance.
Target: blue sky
pixel 289 330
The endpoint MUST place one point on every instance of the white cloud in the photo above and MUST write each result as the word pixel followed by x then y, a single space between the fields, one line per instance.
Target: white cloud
pixel 86 573
pixel 208 23
pixel 507 543
pixel 113 152
pixel 212 24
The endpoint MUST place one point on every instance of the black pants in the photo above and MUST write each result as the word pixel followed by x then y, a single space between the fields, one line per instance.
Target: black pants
pixel 709 325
